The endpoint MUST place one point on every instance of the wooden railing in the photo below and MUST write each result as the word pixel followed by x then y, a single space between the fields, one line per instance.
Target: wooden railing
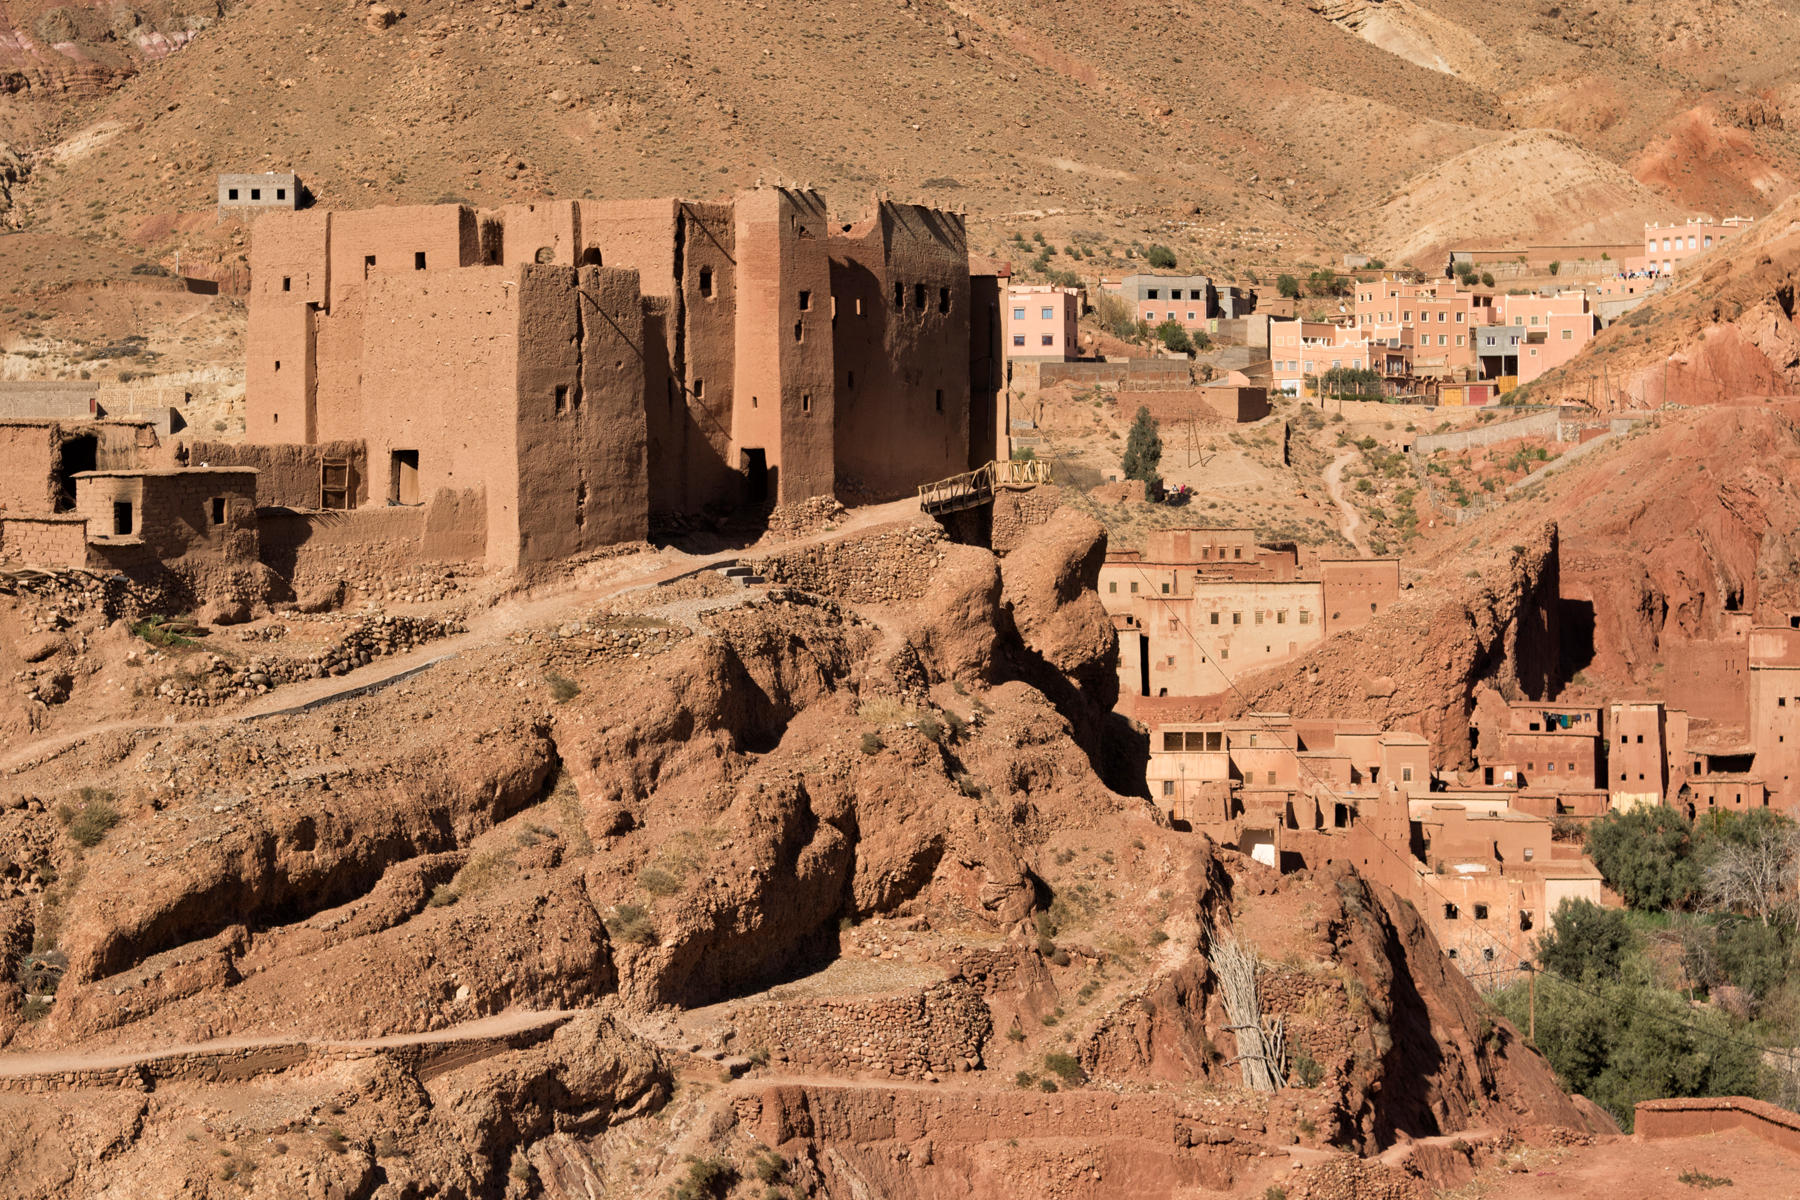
pixel 973 488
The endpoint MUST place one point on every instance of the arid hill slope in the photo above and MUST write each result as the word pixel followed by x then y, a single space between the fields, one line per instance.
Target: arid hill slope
pixel 1246 132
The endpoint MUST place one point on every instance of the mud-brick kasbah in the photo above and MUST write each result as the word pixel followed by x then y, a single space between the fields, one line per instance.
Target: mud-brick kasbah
pixel 518 386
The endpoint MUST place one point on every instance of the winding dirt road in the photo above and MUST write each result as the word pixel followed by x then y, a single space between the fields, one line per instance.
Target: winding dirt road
pixel 1351 525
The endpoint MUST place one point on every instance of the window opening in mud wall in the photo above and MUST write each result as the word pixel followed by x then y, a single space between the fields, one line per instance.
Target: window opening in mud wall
pixel 919 296
pixel 940 399
pixel 368 264
pixel 580 505
pixel 121 518
pixel 403 477
pixel 805 301
pixel 706 286
pixel 943 300
pixel 562 398
pixel 217 507
pixel 418 260
pixel 592 257
pixel 287 283
pixel 545 254
pixel 73 457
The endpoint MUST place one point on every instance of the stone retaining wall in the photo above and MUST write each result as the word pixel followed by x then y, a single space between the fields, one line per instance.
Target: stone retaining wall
pixel 930 1033
pixel 879 567
pixel 1015 512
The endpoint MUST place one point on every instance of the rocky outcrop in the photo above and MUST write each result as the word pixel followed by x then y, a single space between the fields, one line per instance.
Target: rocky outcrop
pixel 1418 664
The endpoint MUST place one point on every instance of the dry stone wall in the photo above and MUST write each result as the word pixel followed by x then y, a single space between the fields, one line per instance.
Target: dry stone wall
pixel 879 567
pixel 1015 513
pixel 925 1034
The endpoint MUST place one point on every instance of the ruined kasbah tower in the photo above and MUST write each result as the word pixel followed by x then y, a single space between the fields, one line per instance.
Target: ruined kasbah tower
pixel 547 379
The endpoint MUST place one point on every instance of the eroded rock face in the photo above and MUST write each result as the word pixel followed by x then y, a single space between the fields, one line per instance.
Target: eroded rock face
pixel 902 791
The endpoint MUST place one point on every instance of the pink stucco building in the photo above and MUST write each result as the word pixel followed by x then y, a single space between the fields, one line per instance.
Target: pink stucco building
pixel 1041 322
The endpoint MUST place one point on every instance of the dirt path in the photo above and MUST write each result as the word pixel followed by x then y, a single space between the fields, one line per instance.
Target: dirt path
pixel 1351 526
pixel 509 616
pixel 484 1029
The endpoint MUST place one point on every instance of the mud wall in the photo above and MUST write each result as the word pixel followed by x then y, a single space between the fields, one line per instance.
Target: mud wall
pixel 1658 1119
pixel 288 475
pixel 901 296
pixel 45 541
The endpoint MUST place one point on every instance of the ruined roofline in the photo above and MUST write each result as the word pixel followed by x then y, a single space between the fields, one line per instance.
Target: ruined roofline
pixel 162 472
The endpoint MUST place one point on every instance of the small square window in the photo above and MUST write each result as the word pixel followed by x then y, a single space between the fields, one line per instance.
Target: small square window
pixel 256 193
pixel 1168 787
pixel 1214 617
pixel 1018 314
pixel 231 194
pixel 1113 587
pixel 1481 912
pixel 1018 339
pixel 1049 314
pixel 1134 589
pixel 1049 340
pixel 281 193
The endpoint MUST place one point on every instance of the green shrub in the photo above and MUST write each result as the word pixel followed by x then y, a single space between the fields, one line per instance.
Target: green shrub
pixel 89 818
pixel 562 688
pixel 771 1168
pixel 1306 1069
pixel 1160 257
pixel 707 1178
pixel 659 882
pixel 632 923
pixel 872 743
pixel 1065 1067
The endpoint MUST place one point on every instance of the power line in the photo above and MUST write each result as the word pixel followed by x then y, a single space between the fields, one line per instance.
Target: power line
pixel 1423 878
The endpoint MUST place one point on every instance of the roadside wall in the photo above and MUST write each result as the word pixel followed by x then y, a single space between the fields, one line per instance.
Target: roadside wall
pixel 1658 1119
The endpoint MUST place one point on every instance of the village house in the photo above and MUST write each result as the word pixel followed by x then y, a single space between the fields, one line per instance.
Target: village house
pixel 1301 351
pixel 1041 322
pixel 1667 246
pixel 1195 608
pixel 1303 794
pixel 1189 300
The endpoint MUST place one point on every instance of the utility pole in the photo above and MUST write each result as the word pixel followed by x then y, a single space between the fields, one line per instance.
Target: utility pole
pixel 1531 990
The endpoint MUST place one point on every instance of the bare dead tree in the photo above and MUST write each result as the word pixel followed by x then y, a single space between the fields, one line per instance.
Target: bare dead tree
pixel 1760 876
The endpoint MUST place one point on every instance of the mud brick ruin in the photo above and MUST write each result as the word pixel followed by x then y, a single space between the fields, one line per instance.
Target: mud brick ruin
pixel 545 378
pixel 515 386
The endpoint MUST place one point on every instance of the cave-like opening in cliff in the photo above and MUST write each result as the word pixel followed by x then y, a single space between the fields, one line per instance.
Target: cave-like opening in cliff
pixel 1575 637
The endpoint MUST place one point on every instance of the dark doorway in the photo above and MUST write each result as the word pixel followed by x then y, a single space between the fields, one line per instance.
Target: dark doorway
pixel 74 456
pixel 1143 657
pixel 756 477
pixel 403 477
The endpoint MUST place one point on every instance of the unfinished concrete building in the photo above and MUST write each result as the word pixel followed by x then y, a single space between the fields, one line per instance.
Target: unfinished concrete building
pixel 546 378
